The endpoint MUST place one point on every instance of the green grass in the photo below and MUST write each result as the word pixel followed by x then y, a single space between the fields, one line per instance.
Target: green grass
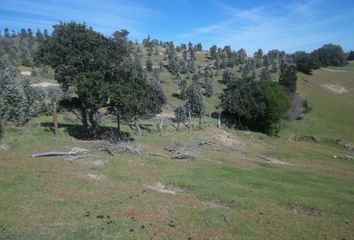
pixel 229 192
pixel 332 114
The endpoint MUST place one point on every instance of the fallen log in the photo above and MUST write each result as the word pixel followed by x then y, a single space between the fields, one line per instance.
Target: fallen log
pixel 74 151
pixel 52 154
pixel 264 158
pixel 72 158
pixel 158 155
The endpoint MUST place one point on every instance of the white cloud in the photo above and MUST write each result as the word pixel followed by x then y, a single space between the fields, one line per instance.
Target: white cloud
pixel 288 27
pixel 106 16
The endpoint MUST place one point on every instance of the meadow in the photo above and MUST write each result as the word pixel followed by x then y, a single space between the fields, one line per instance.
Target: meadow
pixel 243 185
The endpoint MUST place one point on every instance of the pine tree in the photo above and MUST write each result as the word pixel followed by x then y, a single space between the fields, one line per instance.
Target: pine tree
pixel 13 106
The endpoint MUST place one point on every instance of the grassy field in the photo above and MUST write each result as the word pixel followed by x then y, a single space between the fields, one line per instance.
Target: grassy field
pixel 243 186
pixel 333 112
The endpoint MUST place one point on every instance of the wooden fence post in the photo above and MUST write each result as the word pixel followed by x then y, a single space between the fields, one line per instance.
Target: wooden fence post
pixel 55 118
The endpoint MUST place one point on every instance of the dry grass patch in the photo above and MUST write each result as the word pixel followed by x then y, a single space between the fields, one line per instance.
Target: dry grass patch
pixel 337 89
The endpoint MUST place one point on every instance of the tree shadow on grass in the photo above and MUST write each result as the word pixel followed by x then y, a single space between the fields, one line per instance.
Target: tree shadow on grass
pixel 177 95
pixel 79 132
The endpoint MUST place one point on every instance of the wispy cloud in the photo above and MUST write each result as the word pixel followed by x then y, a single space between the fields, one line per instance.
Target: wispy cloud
pixel 286 26
pixel 106 16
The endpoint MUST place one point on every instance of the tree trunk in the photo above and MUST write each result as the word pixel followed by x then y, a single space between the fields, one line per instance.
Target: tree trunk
pixel 1 127
pixel 118 121
pixel 219 120
pixel 209 120
pixel 178 118
pixel 189 121
pixel 161 124
pixel 200 121
pixel 84 119
pixel 55 118
pixel 93 123
pixel 137 126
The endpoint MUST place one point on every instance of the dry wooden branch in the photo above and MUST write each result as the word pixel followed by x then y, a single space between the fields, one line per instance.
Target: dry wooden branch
pixel 159 155
pixel 52 154
pixel 122 147
pixel 74 151
pixel 182 150
pixel 264 158
pixel 75 157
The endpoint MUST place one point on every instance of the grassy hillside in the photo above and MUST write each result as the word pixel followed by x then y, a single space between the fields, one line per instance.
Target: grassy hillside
pixel 242 186
pixel 330 94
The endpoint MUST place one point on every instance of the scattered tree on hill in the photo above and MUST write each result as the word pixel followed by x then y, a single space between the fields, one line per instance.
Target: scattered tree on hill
pixel 229 76
pixel 182 86
pixel 181 114
pixel 149 65
pixel 331 55
pixel 213 52
pixel 350 56
pixel 265 74
pixel 82 59
pixel 249 70
pixel 258 58
pixel 241 56
pixel 257 105
pixel 154 98
pixel 288 76
pixel 13 105
pixel 131 95
pixel 195 100
pixel 303 62
pixel 198 47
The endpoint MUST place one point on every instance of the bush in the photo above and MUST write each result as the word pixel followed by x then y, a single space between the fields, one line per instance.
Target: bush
pixel 155 98
pixel 229 76
pixel 331 55
pixel 257 105
pixel 181 114
pixel 288 76
pixel 195 100
pixel 303 62
pixel 13 105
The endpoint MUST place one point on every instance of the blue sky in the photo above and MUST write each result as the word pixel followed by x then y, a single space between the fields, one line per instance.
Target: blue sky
pixel 250 24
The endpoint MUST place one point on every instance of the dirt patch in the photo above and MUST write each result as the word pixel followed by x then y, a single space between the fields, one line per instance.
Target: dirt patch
pixel 45 85
pixel 271 160
pixel 26 73
pixel 183 150
pixel 333 70
pixel 64 193
pixel 337 89
pixel 303 210
pixel 166 114
pixel 215 205
pixel 99 163
pixel 4 147
pixel 93 176
pixel 349 146
pixel 224 138
pixel 159 187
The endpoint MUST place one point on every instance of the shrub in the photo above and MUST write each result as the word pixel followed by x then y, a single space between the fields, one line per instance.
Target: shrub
pixel 195 100
pixel 288 76
pixel 181 113
pixel 258 105
pixel 13 105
